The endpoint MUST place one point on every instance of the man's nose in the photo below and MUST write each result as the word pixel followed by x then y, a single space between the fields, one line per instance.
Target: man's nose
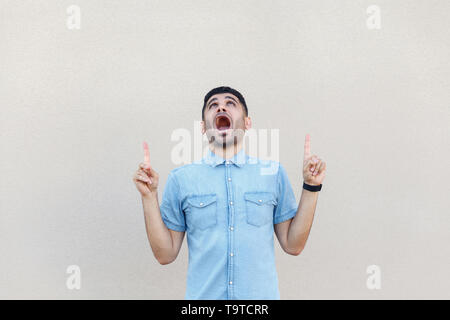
pixel 222 108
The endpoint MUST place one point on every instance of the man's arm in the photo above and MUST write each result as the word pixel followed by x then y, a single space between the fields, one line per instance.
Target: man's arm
pixel 293 233
pixel 165 243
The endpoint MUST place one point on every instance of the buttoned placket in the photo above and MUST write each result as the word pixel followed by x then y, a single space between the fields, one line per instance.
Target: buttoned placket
pixel 228 169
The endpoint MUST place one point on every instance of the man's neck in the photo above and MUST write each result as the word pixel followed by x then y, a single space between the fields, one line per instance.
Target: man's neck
pixel 226 153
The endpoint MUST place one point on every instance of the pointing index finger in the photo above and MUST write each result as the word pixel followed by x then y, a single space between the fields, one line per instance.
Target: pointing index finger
pixel 146 153
pixel 307 152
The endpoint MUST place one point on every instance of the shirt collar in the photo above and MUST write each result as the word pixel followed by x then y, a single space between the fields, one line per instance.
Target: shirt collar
pixel 214 160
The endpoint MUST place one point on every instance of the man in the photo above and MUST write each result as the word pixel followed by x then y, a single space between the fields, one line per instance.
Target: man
pixel 230 204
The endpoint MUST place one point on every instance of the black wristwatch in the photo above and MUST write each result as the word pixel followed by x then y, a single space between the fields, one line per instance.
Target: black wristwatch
pixel 312 188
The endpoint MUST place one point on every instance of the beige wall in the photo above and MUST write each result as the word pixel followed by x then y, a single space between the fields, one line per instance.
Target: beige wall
pixel 77 104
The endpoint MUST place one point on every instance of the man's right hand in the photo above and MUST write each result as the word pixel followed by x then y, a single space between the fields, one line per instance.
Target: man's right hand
pixel 145 178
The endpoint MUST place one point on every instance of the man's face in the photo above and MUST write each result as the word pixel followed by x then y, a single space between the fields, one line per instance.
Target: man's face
pixel 225 121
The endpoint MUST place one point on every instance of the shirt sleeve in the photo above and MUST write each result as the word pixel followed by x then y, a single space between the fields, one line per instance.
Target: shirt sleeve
pixel 286 207
pixel 171 212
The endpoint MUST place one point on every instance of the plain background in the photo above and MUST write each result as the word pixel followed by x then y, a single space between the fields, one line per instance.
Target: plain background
pixel 77 104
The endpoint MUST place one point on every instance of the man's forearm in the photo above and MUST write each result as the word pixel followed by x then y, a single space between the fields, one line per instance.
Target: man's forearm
pixel 301 224
pixel 157 232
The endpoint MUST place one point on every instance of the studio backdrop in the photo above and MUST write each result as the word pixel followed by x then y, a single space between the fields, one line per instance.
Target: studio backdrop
pixel 84 83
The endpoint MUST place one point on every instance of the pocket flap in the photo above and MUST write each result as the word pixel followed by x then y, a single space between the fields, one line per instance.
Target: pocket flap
pixel 201 201
pixel 260 198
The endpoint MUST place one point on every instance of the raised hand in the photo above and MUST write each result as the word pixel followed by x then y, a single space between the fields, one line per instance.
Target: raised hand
pixel 145 178
pixel 313 166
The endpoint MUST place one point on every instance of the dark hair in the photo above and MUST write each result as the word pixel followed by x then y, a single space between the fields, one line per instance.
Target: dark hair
pixel 219 90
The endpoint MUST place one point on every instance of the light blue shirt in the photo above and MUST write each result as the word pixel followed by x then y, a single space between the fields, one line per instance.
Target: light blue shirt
pixel 229 209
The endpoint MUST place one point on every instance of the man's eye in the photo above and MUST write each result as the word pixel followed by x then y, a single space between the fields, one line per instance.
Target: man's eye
pixel 231 102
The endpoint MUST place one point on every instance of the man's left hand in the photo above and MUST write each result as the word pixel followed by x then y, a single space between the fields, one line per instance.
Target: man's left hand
pixel 313 166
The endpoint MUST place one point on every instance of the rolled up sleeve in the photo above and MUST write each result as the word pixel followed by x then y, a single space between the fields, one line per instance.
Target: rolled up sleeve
pixel 171 211
pixel 286 203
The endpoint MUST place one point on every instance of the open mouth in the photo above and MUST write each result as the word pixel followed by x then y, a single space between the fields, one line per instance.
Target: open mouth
pixel 223 122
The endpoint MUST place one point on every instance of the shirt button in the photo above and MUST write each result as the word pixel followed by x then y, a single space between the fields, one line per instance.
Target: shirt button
pixel 227 162
pixel 260 200
pixel 231 254
pixel 231 202
pixel 231 228
pixel 201 203
pixel 231 282
pixel 229 179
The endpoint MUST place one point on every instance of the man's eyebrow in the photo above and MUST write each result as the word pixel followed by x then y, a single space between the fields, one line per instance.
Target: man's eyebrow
pixel 231 98
pixel 213 99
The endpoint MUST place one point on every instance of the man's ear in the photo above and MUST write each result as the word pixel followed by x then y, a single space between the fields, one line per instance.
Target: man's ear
pixel 248 123
pixel 202 124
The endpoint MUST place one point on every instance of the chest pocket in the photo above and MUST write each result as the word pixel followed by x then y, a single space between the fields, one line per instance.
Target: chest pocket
pixel 201 211
pixel 259 207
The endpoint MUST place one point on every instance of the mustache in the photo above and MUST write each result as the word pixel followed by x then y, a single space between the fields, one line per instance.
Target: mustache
pixel 234 123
